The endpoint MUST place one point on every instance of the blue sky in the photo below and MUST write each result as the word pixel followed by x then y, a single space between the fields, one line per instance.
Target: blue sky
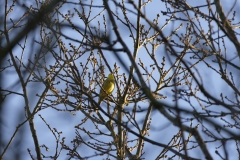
pixel 161 131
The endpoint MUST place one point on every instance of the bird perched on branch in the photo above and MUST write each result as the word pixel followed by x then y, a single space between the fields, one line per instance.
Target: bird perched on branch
pixel 106 89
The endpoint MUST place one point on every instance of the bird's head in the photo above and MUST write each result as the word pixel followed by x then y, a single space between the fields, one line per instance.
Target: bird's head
pixel 110 77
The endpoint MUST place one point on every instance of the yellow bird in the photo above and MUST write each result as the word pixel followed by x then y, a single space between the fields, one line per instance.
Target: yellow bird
pixel 106 89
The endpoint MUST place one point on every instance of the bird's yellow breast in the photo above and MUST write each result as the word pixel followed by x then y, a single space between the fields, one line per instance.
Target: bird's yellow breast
pixel 108 87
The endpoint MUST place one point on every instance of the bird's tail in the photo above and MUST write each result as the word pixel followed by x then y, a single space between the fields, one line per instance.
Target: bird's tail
pixel 99 103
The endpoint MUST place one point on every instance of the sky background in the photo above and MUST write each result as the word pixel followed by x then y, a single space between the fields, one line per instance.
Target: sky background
pixel 161 131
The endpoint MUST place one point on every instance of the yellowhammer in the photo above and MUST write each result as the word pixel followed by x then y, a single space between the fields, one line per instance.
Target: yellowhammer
pixel 106 89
